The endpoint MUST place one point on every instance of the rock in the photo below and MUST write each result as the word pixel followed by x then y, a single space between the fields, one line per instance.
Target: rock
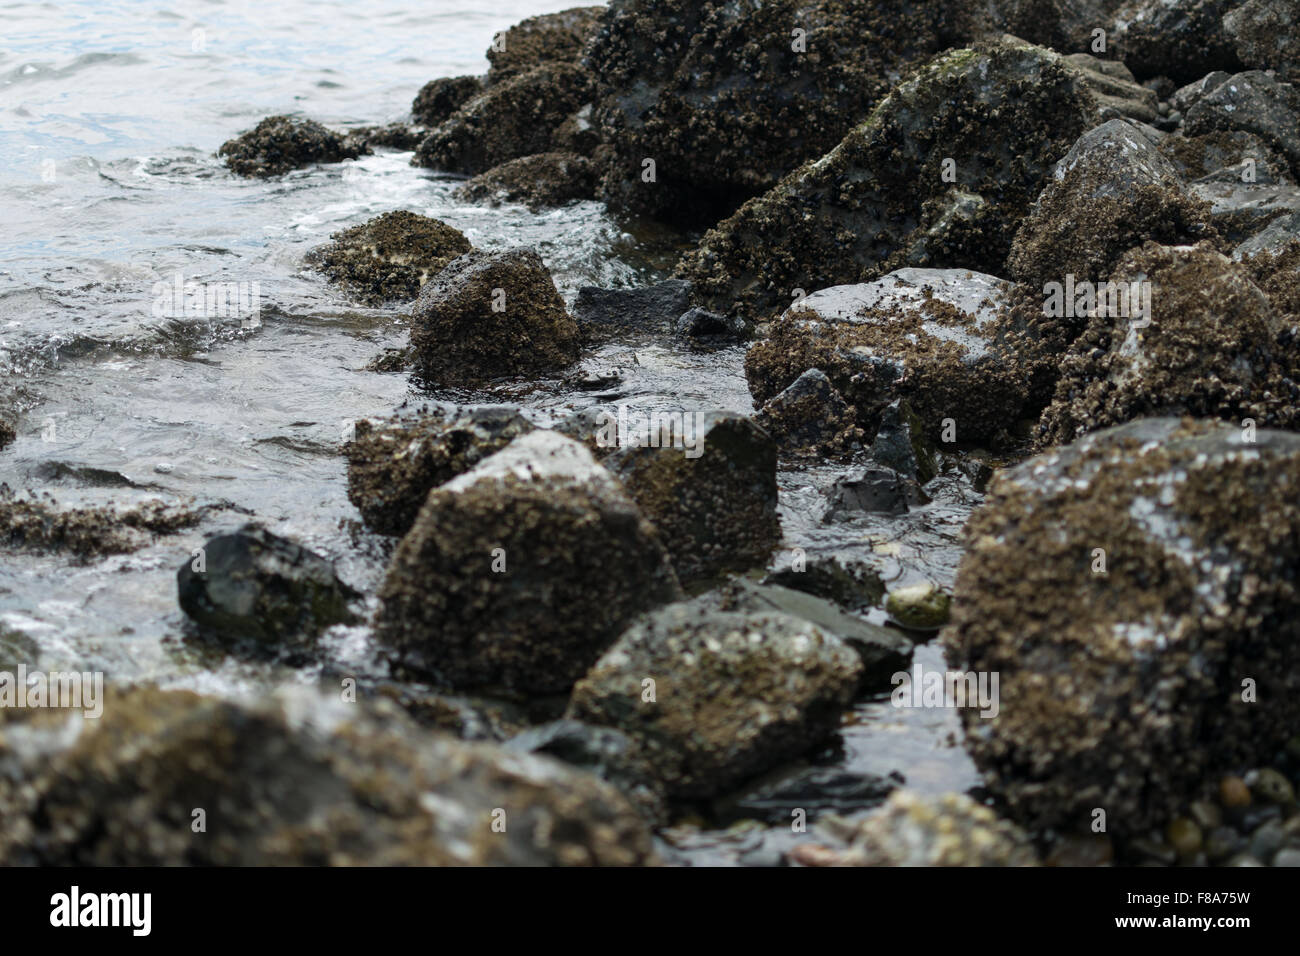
pixel 1275 266
pixel 605 312
pixel 848 583
pixel 1002 113
pixel 521 571
pixel 921 607
pixel 710 491
pixel 490 315
pixel 810 418
pixel 873 489
pixel 296 779
pixel 814 790
pixel 280 143
pixel 514 118
pixel 1116 93
pixel 1185 97
pixel 1239 210
pixel 901 444
pixel 254 586
pixel 391 257
pixel 927 335
pixel 7 433
pixel 1256 103
pixel 547 179
pixel 914 829
pixel 1210 350
pixel 884 652
pixel 1113 190
pixel 538 41
pixel 39 524
pixel 1064 25
pixel 393 465
pixel 733 694
pixel 726 97
pixel 439 99
pixel 702 325
pixel 1121 686
pixel 1180 39
pixel 1264 33
pixel 1221 157
pixel 1271 240
pixel 400 136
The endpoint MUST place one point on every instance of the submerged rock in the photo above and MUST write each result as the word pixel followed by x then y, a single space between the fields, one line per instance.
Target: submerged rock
pixel 391 257
pixel 710 490
pixel 491 315
pixel 393 465
pixel 549 38
pixel 254 586
pixel 810 418
pixel 547 179
pixel 987 122
pixel 297 779
pixel 280 143
pixel 730 695
pixel 1209 349
pixel 924 334
pixel 439 99
pixel 1124 587
pixel 521 571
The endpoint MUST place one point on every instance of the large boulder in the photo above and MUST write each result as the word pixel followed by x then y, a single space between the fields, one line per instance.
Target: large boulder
pixel 439 99
pixel 391 257
pixel 939 174
pixel 927 335
pixel 521 571
pixel 708 487
pixel 1266 35
pixel 394 464
pixel 729 695
pixel 169 778
pixel 547 179
pixel 1135 592
pixel 1211 349
pixel 1256 103
pixel 279 144
pixel 725 98
pixel 549 38
pixel 491 315
pixel 1179 39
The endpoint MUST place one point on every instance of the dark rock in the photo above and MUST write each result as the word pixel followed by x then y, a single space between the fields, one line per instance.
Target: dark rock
pixel 7 433
pixel 391 257
pixel 521 571
pixel 1185 97
pixel 848 583
pixel 1266 35
pixel 814 790
pixel 700 323
pixel 604 312
pixel 491 315
pixel 39 524
pixel 254 586
pixel 811 418
pixel 1222 156
pixel 733 694
pixel 393 465
pixel 538 41
pixel 1256 103
pixel 1123 689
pixel 710 491
pixel 439 99
pixel 1114 90
pixel 547 179
pixel 402 136
pixel 901 443
pixel 280 143
pixel 1180 39
pixel 873 489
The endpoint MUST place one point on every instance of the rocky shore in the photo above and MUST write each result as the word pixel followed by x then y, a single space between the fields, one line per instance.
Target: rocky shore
pixel 1035 263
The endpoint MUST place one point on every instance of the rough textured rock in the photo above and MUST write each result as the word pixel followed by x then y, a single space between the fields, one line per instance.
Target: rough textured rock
pixel 901 443
pixel 547 179
pixel 521 571
pixel 810 418
pixel 1266 35
pixel 1002 113
pixel 1112 191
pixel 847 582
pixel 393 465
pixel 491 315
pixel 7 433
pixel 439 99
pixel 927 335
pixel 549 38
pixel 1180 39
pixel 254 586
pixel 514 118
pixel 1274 263
pixel 698 326
pixel 733 694
pixel 1221 156
pixel 712 495
pixel 296 779
pixel 1064 25
pixel 1114 90
pixel 280 143
pixel 871 489
pixel 391 257
pixel 40 524
pixel 1121 685
pixel 914 829
pixel 1256 103
pixel 1211 350
pixel 1240 210
pixel 401 136
pixel 604 312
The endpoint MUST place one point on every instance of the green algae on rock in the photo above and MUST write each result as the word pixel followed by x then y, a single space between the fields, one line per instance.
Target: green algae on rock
pixel 732 694
pixel 392 465
pixel 391 257
pixel 921 606
pixel 521 571
pixel 989 122
pixel 1124 587
pixel 297 779
pixel 490 315
pixel 279 144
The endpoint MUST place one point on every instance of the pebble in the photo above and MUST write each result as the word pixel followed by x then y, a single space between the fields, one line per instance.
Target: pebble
pixel 1233 793
pixel 1271 787
pixel 1184 836
pixel 1287 857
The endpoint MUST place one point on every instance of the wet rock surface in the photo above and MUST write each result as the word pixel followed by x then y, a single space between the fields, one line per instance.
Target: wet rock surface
pixel 439 99
pixel 279 144
pixel 549 38
pixel 810 417
pixel 546 179
pixel 602 313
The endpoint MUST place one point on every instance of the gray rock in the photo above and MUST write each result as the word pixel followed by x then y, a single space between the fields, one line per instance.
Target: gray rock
pixel 700 323
pixel 811 418
pixel 873 489
pixel 1256 103
pixel 849 583
pixel 605 312
pixel 1180 39
pixel 1266 35
pixel 1185 97
pixel 901 443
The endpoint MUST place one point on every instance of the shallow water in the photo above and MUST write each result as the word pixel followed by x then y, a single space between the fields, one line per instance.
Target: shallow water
pixel 111 115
